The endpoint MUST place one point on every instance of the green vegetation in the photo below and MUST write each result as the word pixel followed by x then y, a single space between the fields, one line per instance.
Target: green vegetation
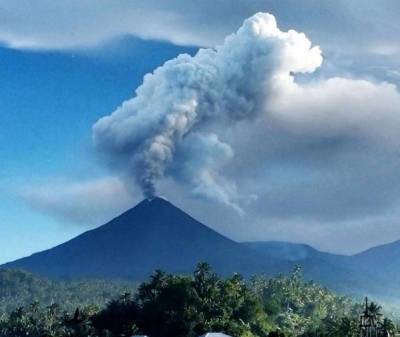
pixel 187 306
pixel 20 289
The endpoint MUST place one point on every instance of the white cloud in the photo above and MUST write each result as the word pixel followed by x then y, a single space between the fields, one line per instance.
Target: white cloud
pixel 181 114
pixel 233 122
pixel 156 131
pixel 350 25
pixel 340 107
pixel 86 203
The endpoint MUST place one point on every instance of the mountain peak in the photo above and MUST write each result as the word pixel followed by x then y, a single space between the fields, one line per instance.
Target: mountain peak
pixel 156 198
pixel 152 235
pixel 155 201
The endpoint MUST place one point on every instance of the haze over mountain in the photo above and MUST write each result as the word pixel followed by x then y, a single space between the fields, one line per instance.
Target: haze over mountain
pixel 157 235
pixel 287 250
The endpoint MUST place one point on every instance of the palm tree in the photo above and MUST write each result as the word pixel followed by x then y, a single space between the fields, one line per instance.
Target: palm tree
pixel 375 310
pixel 388 327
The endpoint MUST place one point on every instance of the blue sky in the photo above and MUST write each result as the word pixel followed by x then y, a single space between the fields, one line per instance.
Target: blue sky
pixel 317 162
pixel 49 101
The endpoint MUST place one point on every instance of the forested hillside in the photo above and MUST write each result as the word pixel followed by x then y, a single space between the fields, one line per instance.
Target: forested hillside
pixel 170 305
pixel 18 288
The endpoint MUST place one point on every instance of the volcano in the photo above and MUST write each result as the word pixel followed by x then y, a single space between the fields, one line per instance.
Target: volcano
pixel 153 235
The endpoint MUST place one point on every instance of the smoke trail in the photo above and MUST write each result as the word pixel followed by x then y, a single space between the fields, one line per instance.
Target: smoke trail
pixel 163 125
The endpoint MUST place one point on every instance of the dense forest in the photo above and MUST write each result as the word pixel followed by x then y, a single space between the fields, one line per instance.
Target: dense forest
pixel 20 289
pixel 186 306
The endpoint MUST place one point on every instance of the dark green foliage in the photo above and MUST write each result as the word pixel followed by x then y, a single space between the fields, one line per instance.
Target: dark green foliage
pixel 183 306
pixel 389 326
pixel 187 306
pixel 118 317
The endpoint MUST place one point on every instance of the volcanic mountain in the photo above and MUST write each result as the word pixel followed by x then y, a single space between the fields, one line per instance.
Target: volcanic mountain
pixel 157 235
pixel 153 235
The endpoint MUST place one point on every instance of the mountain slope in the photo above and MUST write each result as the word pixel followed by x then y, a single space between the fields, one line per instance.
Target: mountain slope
pixel 384 260
pixel 153 235
pixel 374 271
pixel 383 255
pixel 157 235
pixel 288 251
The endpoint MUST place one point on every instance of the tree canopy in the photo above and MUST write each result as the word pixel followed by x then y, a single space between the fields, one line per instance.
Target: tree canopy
pixel 187 306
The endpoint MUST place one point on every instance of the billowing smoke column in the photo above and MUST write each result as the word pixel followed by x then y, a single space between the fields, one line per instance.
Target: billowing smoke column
pixel 167 128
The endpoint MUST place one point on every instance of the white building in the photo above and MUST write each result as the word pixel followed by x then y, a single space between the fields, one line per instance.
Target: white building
pixel 214 334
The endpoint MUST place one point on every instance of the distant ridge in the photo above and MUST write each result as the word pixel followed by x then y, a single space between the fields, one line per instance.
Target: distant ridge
pixel 286 250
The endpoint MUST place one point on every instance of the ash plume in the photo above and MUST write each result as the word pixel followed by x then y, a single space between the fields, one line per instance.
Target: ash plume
pixel 170 127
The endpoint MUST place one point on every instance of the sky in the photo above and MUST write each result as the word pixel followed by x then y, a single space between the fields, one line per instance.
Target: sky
pixel 286 130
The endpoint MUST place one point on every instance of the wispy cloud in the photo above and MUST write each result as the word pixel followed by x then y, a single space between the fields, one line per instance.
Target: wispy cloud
pixel 85 203
pixel 70 24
